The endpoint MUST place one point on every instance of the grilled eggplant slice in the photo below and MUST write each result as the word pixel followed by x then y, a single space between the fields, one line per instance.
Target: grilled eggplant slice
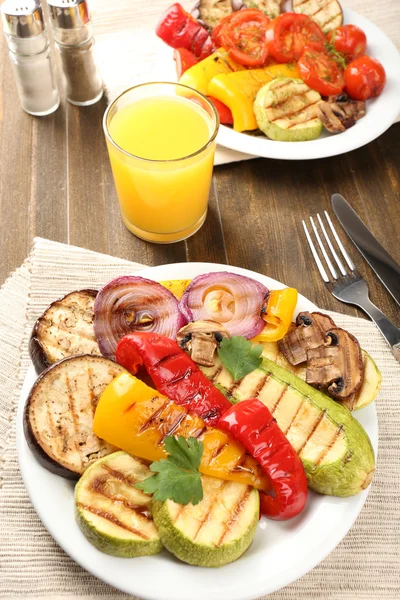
pixel 327 13
pixel 59 414
pixel 216 531
pixel 286 110
pixel 113 515
pixel 336 452
pixel 65 329
pixel 211 12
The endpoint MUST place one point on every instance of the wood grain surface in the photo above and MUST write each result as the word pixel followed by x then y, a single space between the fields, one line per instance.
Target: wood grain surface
pixel 55 182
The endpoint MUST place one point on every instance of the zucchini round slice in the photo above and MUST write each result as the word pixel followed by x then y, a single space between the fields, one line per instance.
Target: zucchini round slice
pixel 113 515
pixel 216 531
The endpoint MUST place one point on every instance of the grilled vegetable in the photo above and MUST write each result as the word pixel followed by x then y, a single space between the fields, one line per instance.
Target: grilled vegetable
pixel 327 13
pixel 59 414
pixel 135 418
pixel 238 90
pixel 199 76
pixel 365 395
pixel 286 111
pixel 65 329
pixel 336 452
pixel 173 373
pixel 179 29
pixel 216 531
pixel 272 8
pixel 176 286
pixel 251 423
pixel 211 12
pixel 113 515
pixel 277 313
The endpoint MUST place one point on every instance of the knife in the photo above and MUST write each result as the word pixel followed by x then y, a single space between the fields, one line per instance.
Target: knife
pixel 387 270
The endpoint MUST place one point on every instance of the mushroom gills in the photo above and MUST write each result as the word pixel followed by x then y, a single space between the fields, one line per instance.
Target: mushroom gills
pixel 308 333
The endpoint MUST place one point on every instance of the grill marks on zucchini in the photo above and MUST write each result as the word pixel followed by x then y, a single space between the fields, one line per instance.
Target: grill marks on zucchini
pixel 327 13
pixel 111 512
pixel 60 411
pixel 306 427
pixel 214 532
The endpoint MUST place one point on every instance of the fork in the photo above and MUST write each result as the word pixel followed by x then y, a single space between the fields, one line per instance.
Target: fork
pixel 347 285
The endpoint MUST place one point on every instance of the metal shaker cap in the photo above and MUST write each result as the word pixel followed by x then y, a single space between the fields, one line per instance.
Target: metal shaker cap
pixel 69 14
pixel 22 18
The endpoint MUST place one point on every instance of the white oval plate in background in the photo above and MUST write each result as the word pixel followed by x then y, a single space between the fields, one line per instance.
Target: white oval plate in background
pixel 382 112
pixel 281 552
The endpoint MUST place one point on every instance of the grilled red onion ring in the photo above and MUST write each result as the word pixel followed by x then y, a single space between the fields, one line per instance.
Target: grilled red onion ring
pixel 127 304
pixel 233 300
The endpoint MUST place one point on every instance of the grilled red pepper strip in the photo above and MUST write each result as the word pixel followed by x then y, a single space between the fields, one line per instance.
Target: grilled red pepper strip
pixel 251 423
pixel 179 29
pixel 173 372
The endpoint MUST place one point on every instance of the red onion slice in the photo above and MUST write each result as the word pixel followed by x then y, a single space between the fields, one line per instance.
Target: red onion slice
pixel 233 300
pixel 127 304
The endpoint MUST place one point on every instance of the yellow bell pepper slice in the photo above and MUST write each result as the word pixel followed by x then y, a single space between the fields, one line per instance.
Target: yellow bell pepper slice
pixel 238 91
pixel 278 315
pixel 199 76
pixel 133 417
pixel 176 286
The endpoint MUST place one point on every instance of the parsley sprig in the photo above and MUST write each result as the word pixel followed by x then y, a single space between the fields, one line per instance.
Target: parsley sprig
pixel 177 477
pixel 240 356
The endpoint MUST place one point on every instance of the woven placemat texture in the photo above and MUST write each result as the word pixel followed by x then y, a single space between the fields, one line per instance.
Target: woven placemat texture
pixel 365 565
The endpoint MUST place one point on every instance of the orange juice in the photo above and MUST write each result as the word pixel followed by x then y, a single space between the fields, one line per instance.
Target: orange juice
pixel 162 165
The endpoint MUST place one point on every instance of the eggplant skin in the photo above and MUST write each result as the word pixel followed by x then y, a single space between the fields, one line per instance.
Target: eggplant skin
pixel 40 399
pixel 37 352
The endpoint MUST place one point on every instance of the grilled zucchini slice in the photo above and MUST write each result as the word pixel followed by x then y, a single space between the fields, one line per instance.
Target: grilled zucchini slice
pixel 327 13
pixel 59 414
pixel 364 396
pixel 113 515
pixel 286 110
pixel 216 531
pixel 65 329
pixel 336 451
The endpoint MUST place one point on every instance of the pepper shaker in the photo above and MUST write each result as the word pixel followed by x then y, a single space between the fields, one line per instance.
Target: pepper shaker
pixel 73 35
pixel 29 51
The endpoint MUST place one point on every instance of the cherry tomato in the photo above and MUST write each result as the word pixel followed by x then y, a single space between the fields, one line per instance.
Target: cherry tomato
pixel 184 59
pixel 349 40
pixel 321 72
pixel 225 115
pixel 244 36
pixel 216 32
pixel 290 33
pixel 365 78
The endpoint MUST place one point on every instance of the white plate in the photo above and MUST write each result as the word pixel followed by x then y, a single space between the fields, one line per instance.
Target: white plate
pixel 280 553
pixel 381 111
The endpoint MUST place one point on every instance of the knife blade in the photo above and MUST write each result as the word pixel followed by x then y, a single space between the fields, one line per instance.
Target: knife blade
pixel 387 270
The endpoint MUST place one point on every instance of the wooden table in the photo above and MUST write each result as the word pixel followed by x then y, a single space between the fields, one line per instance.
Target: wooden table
pixel 56 182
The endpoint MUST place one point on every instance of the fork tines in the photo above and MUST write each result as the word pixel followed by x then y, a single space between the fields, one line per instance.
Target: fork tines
pixel 334 274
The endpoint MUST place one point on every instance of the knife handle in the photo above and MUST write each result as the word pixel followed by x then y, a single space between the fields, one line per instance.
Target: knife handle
pixel 390 332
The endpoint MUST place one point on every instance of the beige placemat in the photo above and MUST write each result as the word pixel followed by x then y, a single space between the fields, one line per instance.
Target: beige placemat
pixel 366 565
pixel 125 29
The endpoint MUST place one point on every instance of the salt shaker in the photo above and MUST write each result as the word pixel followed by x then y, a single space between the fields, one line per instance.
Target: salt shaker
pixel 72 32
pixel 29 51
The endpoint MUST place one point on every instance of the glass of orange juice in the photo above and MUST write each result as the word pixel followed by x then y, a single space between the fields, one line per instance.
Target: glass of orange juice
pixel 161 142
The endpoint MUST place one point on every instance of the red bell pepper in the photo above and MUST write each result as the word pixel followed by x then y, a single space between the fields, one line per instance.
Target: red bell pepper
pixel 173 373
pixel 179 29
pixel 184 59
pixel 251 423
pixel 225 115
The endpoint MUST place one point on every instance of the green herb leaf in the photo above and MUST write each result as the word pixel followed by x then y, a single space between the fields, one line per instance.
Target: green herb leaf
pixel 239 356
pixel 178 477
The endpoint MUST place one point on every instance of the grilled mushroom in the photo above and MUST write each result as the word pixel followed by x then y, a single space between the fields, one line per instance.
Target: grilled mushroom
pixel 211 12
pixel 201 339
pixel 338 113
pixel 337 365
pixel 309 333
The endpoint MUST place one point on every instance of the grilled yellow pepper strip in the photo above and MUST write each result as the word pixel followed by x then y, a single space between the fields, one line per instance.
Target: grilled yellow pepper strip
pixel 199 76
pixel 238 91
pixel 278 315
pixel 135 418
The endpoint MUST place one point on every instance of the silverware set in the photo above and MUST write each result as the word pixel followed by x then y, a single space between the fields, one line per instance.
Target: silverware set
pixel 339 272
